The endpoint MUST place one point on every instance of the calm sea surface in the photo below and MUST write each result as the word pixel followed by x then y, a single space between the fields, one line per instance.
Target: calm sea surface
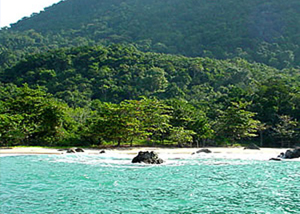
pixel 104 184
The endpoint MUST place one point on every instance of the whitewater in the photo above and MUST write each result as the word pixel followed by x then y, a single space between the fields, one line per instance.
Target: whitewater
pixel 184 183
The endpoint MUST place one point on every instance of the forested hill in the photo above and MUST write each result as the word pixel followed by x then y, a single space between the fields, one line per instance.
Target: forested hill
pixel 117 73
pixel 257 30
pixel 168 97
pixel 102 71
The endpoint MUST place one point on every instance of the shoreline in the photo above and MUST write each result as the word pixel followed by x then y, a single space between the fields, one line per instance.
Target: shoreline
pixel 216 151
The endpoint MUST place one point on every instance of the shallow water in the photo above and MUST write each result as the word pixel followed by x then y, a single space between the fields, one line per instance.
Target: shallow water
pixel 104 184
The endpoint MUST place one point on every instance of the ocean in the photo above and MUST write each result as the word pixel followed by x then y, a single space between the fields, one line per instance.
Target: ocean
pixel 110 183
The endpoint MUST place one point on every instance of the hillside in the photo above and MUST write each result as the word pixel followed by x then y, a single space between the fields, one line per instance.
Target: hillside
pixel 94 72
pixel 259 30
pixel 116 73
pixel 205 98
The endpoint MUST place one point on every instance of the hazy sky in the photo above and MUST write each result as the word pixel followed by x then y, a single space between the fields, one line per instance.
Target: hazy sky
pixel 13 10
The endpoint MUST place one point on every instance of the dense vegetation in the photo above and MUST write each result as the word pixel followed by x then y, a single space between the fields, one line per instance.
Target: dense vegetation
pixel 258 30
pixel 65 81
pixel 97 97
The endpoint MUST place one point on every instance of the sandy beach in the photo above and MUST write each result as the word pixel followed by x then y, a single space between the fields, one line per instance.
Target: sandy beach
pixel 218 152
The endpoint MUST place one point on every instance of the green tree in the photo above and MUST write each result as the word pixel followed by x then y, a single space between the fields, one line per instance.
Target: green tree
pixel 31 117
pixel 181 136
pixel 236 122
pixel 155 80
pixel 285 129
pixel 189 117
pixel 117 122
pixel 156 118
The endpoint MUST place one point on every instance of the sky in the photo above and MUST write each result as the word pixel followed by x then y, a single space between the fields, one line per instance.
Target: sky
pixel 13 10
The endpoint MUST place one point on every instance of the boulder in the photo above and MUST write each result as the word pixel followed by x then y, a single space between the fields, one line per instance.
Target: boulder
pixel 252 146
pixel 290 154
pixel 275 159
pixel 79 150
pixel 281 155
pixel 297 152
pixel 203 151
pixel 71 151
pixel 74 150
pixel 102 152
pixel 147 157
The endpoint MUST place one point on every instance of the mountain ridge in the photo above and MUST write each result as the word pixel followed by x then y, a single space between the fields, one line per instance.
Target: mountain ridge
pixel 260 31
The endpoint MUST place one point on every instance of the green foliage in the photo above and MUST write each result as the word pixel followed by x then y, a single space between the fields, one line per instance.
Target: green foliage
pixel 285 130
pixel 187 116
pixel 258 30
pixel 236 122
pixel 130 120
pixel 116 73
pixel 102 89
pixel 182 136
pixel 31 117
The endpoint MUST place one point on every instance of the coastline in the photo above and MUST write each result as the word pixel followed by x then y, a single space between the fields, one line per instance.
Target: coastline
pixel 218 152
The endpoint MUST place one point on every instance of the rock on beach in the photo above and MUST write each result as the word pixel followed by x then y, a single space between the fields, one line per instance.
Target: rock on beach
pixel 147 157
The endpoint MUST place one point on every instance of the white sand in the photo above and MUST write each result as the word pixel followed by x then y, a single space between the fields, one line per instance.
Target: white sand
pixel 164 153
pixel 218 151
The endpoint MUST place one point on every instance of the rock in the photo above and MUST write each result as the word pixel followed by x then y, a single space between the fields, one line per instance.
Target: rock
pixel 203 151
pixel 275 159
pixel 74 150
pixel 252 146
pixel 290 154
pixel 79 150
pixel 297 152
pixel 102 152
pixel 71 151
pixel 147 157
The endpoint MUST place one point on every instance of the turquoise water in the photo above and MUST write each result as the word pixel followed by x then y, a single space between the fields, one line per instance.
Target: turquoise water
pixel 103 184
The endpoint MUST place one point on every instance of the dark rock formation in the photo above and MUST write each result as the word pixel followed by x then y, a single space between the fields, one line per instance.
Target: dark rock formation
pixel 290 154
pixel 297 152
pixel 102 152
pixel 71 151
pixel 203 151
pixel 275 159
pixel 147 157
pixel 79 150
pixel 281 155
pixel 252 146
pixel 74 150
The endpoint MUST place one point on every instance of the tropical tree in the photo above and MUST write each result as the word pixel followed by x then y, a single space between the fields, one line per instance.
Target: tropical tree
pixel 181 136
pixel 236 122
pixel 285 129
pixel 190 118
pixel 31 116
